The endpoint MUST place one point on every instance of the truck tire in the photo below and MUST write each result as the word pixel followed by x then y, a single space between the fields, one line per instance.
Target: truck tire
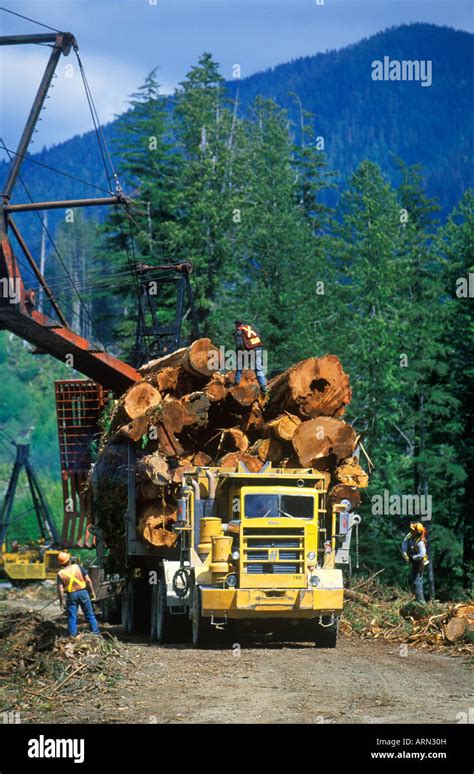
pixel 201 627
pixel 160 615
pixel 325 636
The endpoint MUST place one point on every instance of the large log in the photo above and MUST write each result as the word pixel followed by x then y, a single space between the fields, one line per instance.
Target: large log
pixel 216 389
pixel 312 387
pixel 154 468
pixel 267 449
pixel 247 391
pixel 198 359
pixel 153 523
pixel 139 398
pixel 455 629
pixel 134 430
pixel 196 409
pixel 201 459
pixel 323 442
pixel 283 427
pixel 341 492
pixel 350 473
pixel 252 421
pixel 232 459
pixel 167 379
pixel 232 439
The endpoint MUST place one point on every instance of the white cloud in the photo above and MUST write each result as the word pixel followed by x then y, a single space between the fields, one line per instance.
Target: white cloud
pixel 67 113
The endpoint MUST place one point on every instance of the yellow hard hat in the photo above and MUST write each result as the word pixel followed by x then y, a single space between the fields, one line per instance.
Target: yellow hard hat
pixel 416 526
pixel 63 557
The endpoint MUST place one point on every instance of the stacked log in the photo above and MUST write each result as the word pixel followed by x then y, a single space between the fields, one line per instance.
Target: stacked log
pixel 186 414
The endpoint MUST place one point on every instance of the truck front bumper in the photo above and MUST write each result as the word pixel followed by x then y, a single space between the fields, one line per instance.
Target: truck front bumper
pixel 259 603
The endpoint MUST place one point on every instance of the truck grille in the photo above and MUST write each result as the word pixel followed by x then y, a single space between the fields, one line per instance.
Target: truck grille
pixel 273 551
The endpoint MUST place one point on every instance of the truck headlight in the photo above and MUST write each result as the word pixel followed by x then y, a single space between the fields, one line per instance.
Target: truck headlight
pixel 231 580
pixel 314 580
pixel 311 556
pixel 235 556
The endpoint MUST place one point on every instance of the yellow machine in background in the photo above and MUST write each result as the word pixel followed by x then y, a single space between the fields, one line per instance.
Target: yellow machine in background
pixel 37 560
pixel 29 563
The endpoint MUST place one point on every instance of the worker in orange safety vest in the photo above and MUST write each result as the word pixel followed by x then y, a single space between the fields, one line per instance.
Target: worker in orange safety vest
pixel 414 551
pixel 248 340
pixel 73 584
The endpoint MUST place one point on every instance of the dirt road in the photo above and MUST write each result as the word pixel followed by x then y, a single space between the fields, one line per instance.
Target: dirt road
pixel 359 682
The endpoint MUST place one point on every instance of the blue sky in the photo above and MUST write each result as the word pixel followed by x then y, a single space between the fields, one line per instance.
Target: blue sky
pixel 120 41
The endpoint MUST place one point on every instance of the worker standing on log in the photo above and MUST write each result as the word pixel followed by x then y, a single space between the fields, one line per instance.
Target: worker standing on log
pixel 248 340
pixel 74 581
pixel 414 551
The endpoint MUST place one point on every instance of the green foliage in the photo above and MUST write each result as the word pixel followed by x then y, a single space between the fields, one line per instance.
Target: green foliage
pixel 243 195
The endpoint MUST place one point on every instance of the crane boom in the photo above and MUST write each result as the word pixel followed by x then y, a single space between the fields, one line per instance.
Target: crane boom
pixel 17 304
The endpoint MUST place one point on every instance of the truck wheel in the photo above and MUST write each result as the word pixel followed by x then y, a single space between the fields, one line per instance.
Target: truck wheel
pixel 160 616
pixel 325 636
pixel 201 627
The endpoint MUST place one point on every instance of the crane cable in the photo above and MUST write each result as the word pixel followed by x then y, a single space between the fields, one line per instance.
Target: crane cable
pixel 48 234
pixel 26 157
pixel 33 21
pixel 104 151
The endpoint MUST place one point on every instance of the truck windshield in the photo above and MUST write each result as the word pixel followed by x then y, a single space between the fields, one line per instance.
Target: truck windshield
pixel 273 506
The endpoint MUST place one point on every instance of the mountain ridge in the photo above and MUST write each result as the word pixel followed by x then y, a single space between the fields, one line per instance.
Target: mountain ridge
pixel 357 117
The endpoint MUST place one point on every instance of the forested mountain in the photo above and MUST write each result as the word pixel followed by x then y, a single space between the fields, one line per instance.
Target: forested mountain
pixel 357 117
pixel 380 280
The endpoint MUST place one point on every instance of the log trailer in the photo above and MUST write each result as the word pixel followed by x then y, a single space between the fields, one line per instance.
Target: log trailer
pixel 256 550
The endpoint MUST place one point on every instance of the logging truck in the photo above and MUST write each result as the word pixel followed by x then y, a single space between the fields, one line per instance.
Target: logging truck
pixel 255 552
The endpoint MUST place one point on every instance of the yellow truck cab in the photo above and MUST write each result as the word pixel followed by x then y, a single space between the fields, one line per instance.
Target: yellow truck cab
pixel 259 550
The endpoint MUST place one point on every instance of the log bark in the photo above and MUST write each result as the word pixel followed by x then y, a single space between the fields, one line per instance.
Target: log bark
pixel 252 421
pixel 233 439
pixel 167 379
pixel 232 459
pixel 134 430
pixel 323 441
pixel 216 389
pixel 267 450
pixel 201 359
pixel 196 409
pixel 313 387
pixel 147 490
pixel 154 468
pixel 350 473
